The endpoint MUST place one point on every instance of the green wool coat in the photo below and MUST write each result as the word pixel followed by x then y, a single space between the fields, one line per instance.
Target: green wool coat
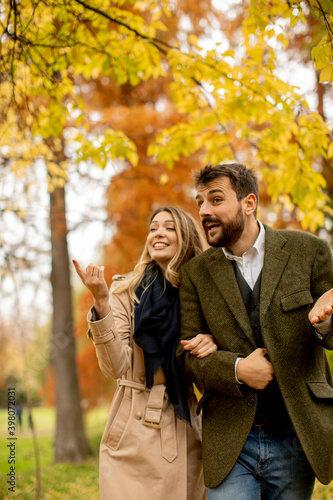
pixel 297 270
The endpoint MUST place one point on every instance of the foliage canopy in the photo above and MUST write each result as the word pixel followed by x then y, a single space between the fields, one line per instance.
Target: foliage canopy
pixel 50 47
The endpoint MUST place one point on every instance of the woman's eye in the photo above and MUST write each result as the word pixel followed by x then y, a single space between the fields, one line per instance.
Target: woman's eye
pixel 171 229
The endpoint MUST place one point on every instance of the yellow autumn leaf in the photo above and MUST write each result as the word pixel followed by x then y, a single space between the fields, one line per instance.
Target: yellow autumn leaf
pixel 193 39
pixel 330 151
pixel 326 74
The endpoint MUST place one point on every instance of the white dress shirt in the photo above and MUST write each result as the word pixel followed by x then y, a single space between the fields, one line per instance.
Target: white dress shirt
pixel 251 262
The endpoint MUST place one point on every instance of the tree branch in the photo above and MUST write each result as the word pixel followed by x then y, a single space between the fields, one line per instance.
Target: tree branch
pixel 223 128
pixel 154 41
pixel 328 26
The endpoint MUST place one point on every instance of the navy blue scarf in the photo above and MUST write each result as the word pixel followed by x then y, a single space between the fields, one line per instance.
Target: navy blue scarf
pixel 156 331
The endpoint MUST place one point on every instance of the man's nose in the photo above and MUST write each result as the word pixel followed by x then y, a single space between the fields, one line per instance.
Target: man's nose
pixel 205 209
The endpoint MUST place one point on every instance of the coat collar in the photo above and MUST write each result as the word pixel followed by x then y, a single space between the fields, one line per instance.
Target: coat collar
pixel 222 273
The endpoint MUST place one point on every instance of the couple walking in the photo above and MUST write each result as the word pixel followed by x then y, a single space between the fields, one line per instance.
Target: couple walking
pixel 246 320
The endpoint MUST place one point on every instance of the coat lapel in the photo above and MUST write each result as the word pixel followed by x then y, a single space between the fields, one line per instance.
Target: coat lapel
pixel 274 263
pixel 223 274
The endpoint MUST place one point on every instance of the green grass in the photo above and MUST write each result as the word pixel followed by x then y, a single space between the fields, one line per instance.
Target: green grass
pixel 60 481
pixel 63 481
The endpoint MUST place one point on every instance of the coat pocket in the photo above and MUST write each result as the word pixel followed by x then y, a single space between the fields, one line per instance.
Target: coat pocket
pixel 114 431
pixel 296 299
pixel 321 390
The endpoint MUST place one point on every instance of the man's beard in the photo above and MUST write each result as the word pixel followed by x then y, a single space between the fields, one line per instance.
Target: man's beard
pixel 230 231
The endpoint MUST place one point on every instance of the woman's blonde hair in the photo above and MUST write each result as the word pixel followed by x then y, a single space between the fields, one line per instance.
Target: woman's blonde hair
pixel 191 242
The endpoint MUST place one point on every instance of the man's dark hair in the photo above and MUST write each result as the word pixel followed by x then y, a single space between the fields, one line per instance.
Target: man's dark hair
pixel 243 180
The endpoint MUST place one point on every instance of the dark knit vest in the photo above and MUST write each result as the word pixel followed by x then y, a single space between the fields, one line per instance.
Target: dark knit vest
pixel 271 410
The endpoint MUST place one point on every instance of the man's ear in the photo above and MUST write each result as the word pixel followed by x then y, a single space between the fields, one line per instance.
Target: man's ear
pixel 250 204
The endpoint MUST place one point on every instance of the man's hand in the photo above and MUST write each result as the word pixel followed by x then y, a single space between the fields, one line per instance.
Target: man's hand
pixel 255 370
pixel 93 279
pixel 202 345
pixel 323 308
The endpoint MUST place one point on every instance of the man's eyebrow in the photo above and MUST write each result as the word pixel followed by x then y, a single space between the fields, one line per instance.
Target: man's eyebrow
pixel 210 192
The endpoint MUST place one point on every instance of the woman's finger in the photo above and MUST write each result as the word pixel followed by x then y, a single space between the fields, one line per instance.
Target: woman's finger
pixel 95 271
pixel 79 270
pixel 206 346
pixel 201 343
pixel 91 270
pixel 101 272
pixel 205 352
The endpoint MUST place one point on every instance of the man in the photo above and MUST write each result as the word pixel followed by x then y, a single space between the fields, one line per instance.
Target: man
pixel 268 390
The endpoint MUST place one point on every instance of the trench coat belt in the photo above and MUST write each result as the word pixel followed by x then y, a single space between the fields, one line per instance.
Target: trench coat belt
pixel 134 385
pixel 153 416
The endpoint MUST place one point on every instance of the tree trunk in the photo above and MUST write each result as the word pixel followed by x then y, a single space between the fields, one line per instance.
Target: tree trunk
pixel 70 441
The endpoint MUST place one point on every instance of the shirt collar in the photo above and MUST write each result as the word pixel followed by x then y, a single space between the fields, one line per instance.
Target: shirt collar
pixel 259 244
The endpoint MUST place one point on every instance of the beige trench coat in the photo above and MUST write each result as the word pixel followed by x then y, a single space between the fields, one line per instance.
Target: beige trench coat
pixel 146 452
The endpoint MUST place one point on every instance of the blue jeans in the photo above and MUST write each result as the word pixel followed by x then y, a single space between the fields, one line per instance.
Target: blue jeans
pixel 268 468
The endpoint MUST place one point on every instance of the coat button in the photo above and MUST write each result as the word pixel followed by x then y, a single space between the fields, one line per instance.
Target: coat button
pixel 142 379
pixel 251 402
pixel 138 415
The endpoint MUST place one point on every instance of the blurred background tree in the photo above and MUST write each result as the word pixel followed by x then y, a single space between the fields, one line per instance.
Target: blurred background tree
pixel 154 90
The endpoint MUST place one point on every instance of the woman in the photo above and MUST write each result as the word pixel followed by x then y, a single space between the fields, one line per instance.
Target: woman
pixel 151 446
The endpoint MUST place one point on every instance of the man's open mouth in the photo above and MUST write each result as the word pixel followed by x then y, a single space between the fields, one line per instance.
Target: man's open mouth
pixel 209 225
